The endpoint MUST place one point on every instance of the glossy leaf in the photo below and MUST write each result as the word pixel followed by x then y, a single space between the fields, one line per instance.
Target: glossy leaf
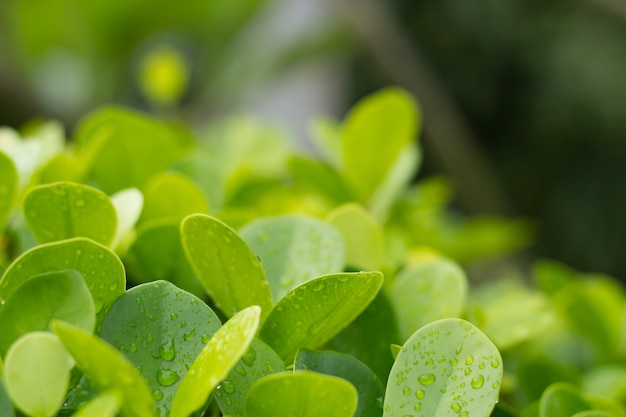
pixel 225 265
pixel 562 400
pixel 124 149
pixel 9 188
pixel 315 311
pixel 427 292
pixel 362 235
pixel 63 210
pixel 161 330
pixel 128 205
pixel 157 253
pixel 594 413
pixel 106 404
pixel 215 361
pixel 369 388
pixel 101 269
pixel 260 360
pixel 107 369
pixel 447 368
pixel 302 394
pixel 172 196
pixel 316 177
pixel 376 130
pixel 294 249
pixel 61 295
pixel 37 373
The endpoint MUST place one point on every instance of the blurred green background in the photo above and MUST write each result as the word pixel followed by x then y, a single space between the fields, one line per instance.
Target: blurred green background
pixel 524 101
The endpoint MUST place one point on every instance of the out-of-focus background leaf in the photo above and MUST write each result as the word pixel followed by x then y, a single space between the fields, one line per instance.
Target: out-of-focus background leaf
pixel 524 102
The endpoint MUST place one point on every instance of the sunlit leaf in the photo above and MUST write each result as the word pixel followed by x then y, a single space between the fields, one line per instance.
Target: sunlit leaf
pixel 215 361
pixel 446 368
pixel 376 130
pixel 64 210
pixel 37 373
pixel 294 249
pixel 107 369
pixel 302 394
pixel 106 404
pixel 562 400
pixel 225 265
pixel 315 311
pixel 9 188
pixel 128 205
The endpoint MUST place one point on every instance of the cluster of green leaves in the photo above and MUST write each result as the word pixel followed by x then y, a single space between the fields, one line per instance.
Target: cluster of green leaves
pixel 127 249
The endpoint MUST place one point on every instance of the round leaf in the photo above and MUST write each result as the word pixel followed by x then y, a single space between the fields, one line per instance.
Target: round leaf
pixel 562 400
pixel 215 361
pixel 427 292
pixel 128 204
pixel 447 368
pixel 315 311
pixel 9 188
pixel 225 265
pixel 363 236
pixel 260 360
pixel 161 329
pixel 294 249
pixel 107 369
pixel 101 269
pixel 37 373
pixel 61 295
pixel 172 196
pixel 302 394
pixel 64 210
pixel 369 388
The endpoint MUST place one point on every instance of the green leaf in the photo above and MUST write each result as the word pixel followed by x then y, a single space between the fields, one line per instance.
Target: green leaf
pixel 376 130
pixel 562 400
pixel 320 179
pixel 9 188
pixel 369 388
pixel 128 205
pixel 64 210
pixel 362 234
pixel 101 269
pixel 106 404
pixel 302 394
pixel 315 311
pixel 369 336
pixel 294 249
pixel 215 361
pixel 61 295
pixel 107 369
pixel 225 265
pixel 427 292
pixel 326 135
pixel 172 196
pixel 157 253
pixel 608 381
pixel 161 329
pixel 6 408
pixel 260 360
pixel 125 149
pixel 593 413
pixel 37 373
pixel 447 368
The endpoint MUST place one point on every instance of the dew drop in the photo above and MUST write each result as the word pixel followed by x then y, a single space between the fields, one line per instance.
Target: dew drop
pixel 249 357
pixel 456 407
pixel 167 377
pixel 167 350
pixel 495 363
pixel 419 394
pixel 189 334
pixel 133 347
pixel 464 414
pixel 459 349
pixel 426 379
pixel 406 391
pixel 417 346
pixel 469 360
pixel 174 316
pixel 157 394
pixel 478 381
pixel 417 407
pixel 80 203
pixel 453 361
pixel 319 287
pixel 468 371
pixel 228 387
pixel 241 371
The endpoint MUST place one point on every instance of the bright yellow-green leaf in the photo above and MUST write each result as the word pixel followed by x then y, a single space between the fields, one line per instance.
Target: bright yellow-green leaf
pixel 106 404
pixel 9 187
pixel 215 361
